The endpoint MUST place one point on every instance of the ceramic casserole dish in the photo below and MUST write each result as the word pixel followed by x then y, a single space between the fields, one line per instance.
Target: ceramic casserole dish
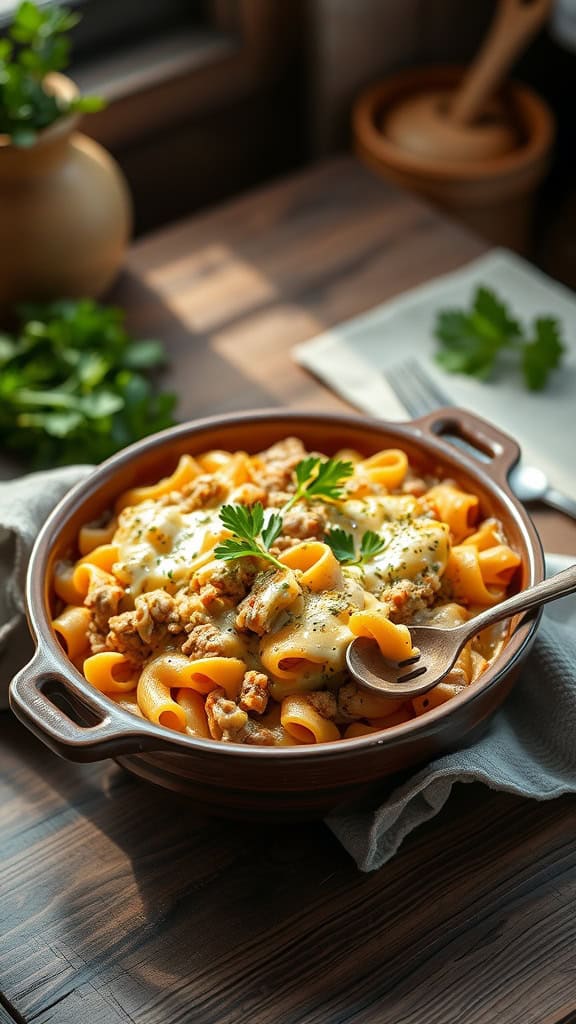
pixel 79 723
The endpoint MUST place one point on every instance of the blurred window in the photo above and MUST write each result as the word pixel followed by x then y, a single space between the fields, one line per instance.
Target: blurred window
pixel 108 25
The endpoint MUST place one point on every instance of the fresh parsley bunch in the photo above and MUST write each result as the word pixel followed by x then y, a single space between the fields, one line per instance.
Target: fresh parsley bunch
pixel 476 341
pixel 35 44
pixel 73 385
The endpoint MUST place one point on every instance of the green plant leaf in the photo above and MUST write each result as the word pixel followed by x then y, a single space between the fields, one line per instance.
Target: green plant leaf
pixel 342 544
pixel 100 404
pixel 143 355
pixel 271 530
pixel 28 19
pixel 492 316
pixel 372 544
pixel 543 353
pixel 24 138
pixel 88 104
pixel 65 394
pixel 37 43
pixel 246 523
pixel 472 341
pixel 319 478
pixel 329 479
pixel 57 424
pixel 232 549
pixel 8 349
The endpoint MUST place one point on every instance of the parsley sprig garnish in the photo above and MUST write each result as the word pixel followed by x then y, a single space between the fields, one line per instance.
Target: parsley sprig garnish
pixel 474 341
pixel 252 537
pixel 318 478
pixel 342 545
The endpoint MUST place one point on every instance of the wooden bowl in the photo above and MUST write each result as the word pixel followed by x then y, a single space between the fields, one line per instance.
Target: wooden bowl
pixel 493 195
pixel 51 697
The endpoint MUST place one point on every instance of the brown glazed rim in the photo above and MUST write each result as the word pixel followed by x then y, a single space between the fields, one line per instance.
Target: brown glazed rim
pixel 114 731
pixel 534 114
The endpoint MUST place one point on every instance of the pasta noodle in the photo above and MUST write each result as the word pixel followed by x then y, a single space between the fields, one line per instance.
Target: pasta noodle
pixel 247 644
pixel 71 628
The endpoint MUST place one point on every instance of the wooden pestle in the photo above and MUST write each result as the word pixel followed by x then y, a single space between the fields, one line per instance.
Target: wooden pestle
pixel 470 123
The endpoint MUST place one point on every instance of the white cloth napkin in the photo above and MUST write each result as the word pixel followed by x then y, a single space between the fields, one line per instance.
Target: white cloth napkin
pixel 529 748
pixel 350 358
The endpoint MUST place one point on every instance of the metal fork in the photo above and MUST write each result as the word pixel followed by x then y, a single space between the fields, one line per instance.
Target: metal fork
pixel 436 648
pixel 419 395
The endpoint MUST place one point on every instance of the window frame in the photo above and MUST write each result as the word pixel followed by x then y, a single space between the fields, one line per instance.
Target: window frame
pixel 157 84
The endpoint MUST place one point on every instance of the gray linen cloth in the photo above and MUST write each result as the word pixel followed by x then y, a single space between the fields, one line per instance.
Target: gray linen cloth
pixel 25 504
pixel 529 748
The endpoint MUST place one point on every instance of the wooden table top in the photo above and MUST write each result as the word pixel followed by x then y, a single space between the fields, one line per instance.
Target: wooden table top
pixel 117 903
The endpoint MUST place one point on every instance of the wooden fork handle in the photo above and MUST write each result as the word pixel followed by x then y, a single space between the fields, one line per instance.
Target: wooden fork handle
pixel 560 585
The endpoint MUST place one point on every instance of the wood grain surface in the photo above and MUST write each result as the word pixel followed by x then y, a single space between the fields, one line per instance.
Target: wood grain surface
pixel 117 902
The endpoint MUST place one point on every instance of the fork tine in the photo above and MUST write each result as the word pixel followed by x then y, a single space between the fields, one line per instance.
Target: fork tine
pixel 430 386
pixel 370 669
pixel 424 400
pixel 408 676
pixel 409 661
pixel 417 392
pixel 399 380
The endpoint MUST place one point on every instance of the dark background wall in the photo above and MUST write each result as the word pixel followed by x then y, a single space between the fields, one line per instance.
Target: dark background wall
pixel 283 99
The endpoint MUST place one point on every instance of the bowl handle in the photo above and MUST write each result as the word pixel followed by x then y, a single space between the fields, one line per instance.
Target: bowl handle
pixel 460 429
pixel 77 725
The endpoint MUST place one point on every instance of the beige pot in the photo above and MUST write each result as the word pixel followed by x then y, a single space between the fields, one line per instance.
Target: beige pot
pixel 494 197
pixel 65 213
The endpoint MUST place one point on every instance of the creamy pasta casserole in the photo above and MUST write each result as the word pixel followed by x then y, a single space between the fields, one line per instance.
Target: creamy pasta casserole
pixel 220 601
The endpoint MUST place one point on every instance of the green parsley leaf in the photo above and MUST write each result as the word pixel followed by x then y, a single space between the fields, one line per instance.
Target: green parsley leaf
pixel 246 522
pixel 306 469
pixel 342 544
pixel 232 549
pixel 271 530
pixel 329 479
pixel 243 520
pixel 371 545
pixel 474 341
pixel 492 316
pixel 319 478
pixel 543 353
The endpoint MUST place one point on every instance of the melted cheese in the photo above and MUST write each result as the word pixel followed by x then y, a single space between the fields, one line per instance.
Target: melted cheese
pixel 416 546
pixel 158 545
pixel 414 550
pixel 311 644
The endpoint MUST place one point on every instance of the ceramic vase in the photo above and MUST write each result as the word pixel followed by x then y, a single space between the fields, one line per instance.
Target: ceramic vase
pixel 65 213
